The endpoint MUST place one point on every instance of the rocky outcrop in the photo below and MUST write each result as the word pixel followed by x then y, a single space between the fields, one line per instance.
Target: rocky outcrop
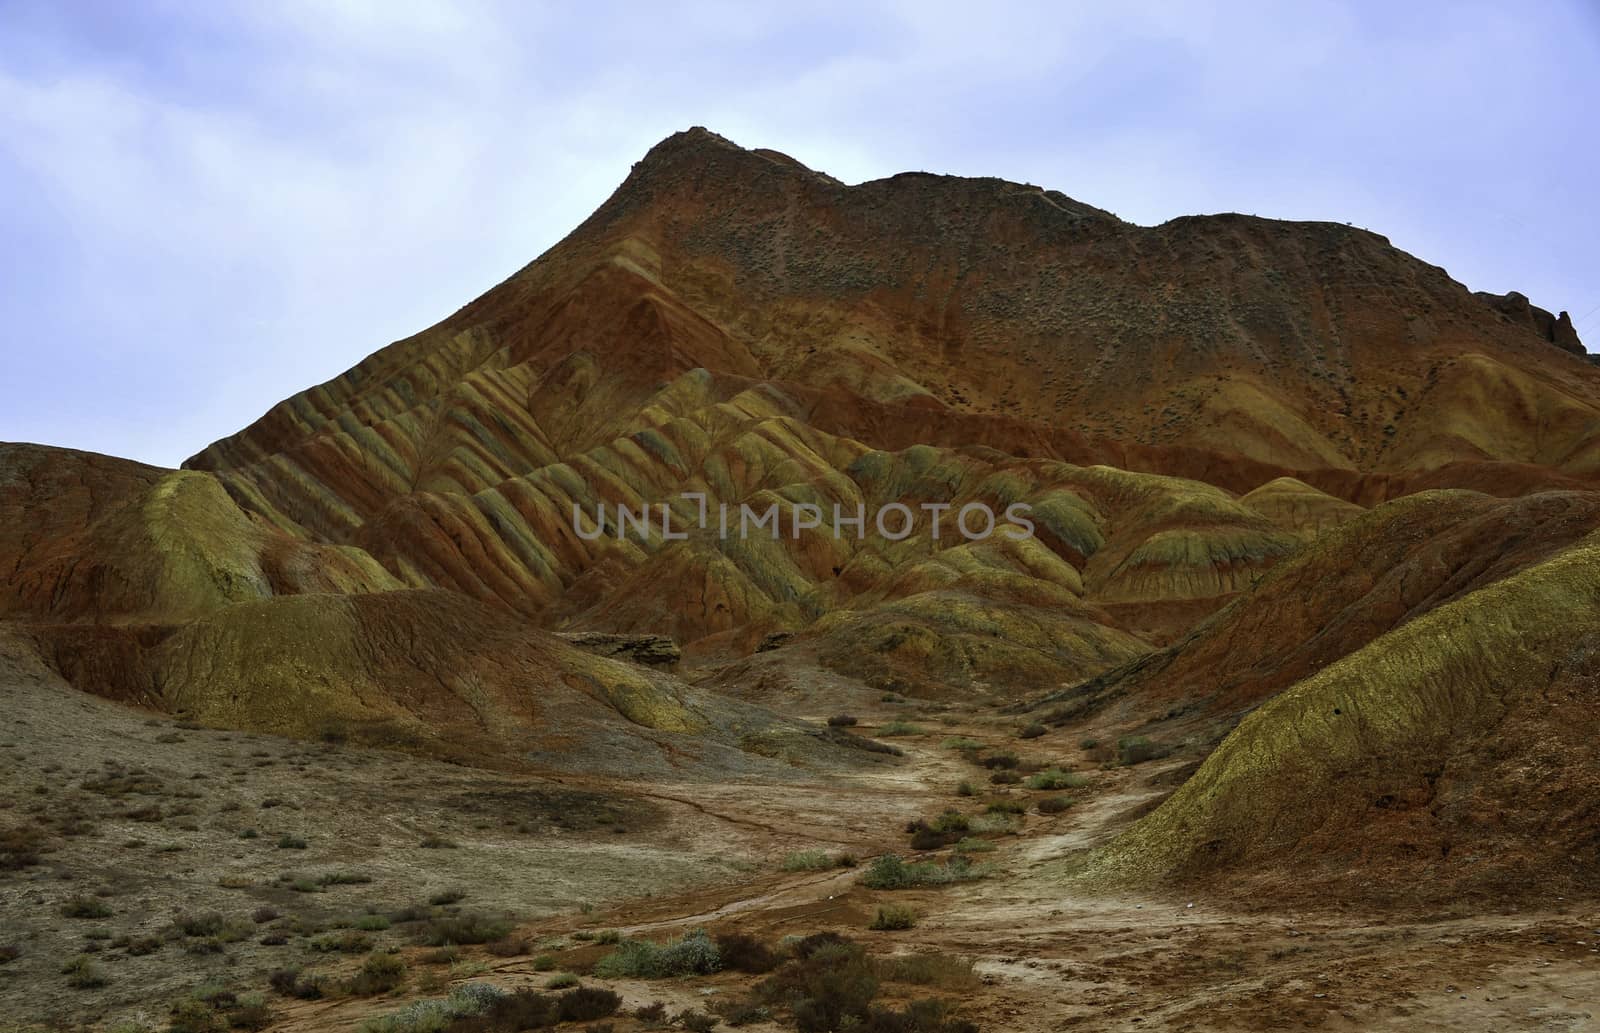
pixel 1557 329
pixel 649 650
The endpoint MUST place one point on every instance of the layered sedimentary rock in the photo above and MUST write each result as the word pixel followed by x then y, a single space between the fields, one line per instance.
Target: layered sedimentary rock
pixel 1267 466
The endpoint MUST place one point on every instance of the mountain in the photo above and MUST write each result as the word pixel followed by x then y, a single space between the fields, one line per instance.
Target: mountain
pixel 1272 468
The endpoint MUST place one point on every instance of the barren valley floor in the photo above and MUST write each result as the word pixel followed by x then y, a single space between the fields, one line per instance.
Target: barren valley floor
pixel 205 860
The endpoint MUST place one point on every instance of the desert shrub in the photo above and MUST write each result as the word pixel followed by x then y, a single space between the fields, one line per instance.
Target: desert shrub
pixel 83 974
pixel 974 845
pixel 890 872
pixel 1089 743
pixel 692 954
pixel 941 831
pixel 962 744
pixel 250 1012
pixel 561 981
pixel 1054 804
pixel 842 721
pixel 999 823
pixel 925 1016
pixel 587 1003
pixel 193 1015
pixel 652 1014
pixel 438 843
pixel 608 937
pixel 807 861
pixel 1000 761
pixel 828 985
pixel 139 946
pixel 966 788
pixel 470 928
pixel 20 847
pixel 378 974
pixel 743 953
pixel 697 1021
pixel 372 923
pixel 206 923
pixel 1032 730
pixel 508 947
pixel 544 963
pixel 899 728
pixel 9 952
pixel 348 941
pixel 1004 777
pixel 1006 807
pixel 742 1013
pixel 343 879
pixel 82 906
pixel 524 1009
pixel 1136 749
pixel 945 971
pixel 449 896
pixel 1055 778
pixel 893 916
pixel 434 1016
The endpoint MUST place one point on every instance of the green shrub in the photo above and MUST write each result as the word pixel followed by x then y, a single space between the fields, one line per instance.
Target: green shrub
pixel 378 974
pixel 206 923
pixel 83 974
pixel 470 928
pixel 696 1021
pixel 435 1016
pixel 897 728
pixel 1055 778
pixel 561 981
pixel 1136 749
pixel 82 906
pixel 893 916
pixel 194 1015
pixel 962 744
pixel 347 942
pixel 1054 804
pixel 816 861
pixel 372 923
pixel 890 872
pixel 974 845
pixel 692 954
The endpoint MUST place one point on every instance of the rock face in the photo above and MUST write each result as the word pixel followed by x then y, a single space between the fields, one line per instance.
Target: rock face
pixel 649 650
pixel 735 324
pixel 1270 468
pixel 1558 330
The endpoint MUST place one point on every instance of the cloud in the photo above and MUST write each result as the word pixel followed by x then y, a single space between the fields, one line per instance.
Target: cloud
pixel 216 205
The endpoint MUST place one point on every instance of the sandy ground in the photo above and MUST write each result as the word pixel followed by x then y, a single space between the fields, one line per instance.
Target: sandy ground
pixel 570 858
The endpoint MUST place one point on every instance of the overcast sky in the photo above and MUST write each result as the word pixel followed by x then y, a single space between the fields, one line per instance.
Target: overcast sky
pixel 205 207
